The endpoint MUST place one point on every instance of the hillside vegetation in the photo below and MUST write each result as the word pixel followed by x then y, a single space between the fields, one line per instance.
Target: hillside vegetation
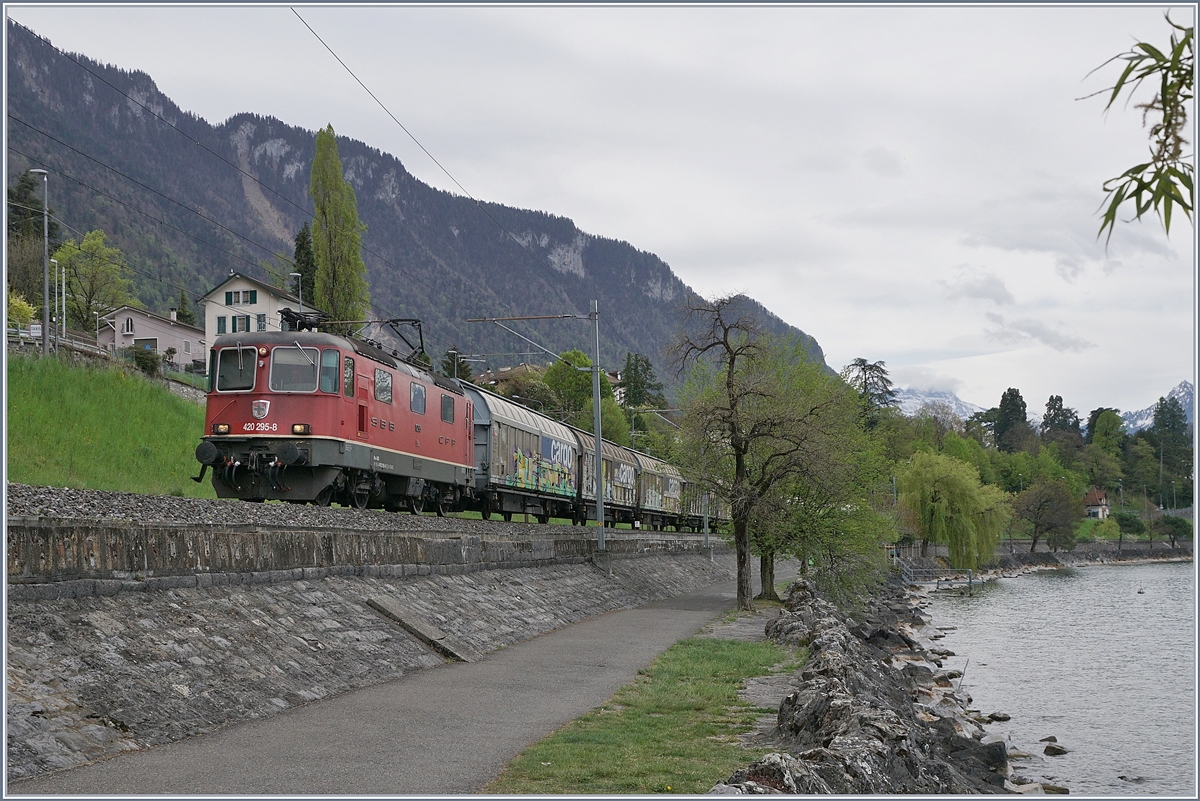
pixel 99 428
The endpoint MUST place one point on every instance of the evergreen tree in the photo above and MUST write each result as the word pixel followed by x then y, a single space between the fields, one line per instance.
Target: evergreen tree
pixel 341 278
pixel 1011 428
pixel 642 387
pixel 184 312
pixel 454 366
pixel 305 263
pixel 26 257
pixel 25 210
pixel 872 382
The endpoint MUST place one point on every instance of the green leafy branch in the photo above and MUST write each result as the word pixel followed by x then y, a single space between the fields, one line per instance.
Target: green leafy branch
pixel 1166 180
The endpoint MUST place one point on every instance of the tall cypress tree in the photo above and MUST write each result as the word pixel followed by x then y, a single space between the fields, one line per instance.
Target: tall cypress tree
pixel 305 263
pixel 340 285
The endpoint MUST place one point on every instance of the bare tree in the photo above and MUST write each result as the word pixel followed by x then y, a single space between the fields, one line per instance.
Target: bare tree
pixel 746 408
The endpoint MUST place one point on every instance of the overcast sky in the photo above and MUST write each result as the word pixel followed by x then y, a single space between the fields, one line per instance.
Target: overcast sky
pixel 917 185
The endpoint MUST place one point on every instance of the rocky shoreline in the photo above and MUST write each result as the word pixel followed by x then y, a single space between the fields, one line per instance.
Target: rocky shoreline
pixel 873 712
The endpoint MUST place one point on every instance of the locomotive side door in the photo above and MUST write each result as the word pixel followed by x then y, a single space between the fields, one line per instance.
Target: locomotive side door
pixel 362 391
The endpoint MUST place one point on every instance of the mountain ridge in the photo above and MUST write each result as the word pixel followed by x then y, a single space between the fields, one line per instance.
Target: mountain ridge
pixel 430 254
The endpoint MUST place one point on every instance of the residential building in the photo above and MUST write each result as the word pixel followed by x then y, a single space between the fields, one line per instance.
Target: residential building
pixel 240 303
pixel 128 327
pixel 1095 503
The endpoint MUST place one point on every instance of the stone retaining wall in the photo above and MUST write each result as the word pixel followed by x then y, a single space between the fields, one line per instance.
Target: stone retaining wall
pixel 64 558
pixel 90 677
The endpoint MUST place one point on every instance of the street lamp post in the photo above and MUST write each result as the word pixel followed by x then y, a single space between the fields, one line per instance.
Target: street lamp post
pixel 97 316
pixel 57 302
pixel 299 289
pixel 46 259
pixel 63 292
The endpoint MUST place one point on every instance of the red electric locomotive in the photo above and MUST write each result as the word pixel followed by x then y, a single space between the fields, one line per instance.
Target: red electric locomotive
pixel 303 416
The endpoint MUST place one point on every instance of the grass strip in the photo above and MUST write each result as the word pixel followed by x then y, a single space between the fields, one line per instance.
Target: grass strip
pixel 100 428
pixel 674 729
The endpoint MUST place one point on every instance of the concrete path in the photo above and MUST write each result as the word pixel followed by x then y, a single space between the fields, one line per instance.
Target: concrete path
pixel 449 729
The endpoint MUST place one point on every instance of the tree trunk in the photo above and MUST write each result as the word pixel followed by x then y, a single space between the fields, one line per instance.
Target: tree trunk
pixel 745 587
pixel 1033 544
pixel 924 547
pixel 766 575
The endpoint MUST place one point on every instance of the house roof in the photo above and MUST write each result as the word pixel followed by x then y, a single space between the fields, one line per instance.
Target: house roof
pixel 112 316
pixel 274 290
pixel 1095 497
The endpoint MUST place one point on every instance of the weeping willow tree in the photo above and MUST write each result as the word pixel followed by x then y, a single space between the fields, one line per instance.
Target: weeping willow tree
pixel 947 505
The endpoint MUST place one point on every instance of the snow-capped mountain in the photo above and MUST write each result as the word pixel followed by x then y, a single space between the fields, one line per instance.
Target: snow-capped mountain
pixel 1144 418
pixel 911 400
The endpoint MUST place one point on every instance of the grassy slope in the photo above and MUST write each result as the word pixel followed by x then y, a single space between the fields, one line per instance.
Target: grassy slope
pixel 99 428
pixel 673 730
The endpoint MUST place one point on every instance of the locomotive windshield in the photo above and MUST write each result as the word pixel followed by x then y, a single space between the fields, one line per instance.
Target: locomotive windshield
pixel 235 369
pixel 294 369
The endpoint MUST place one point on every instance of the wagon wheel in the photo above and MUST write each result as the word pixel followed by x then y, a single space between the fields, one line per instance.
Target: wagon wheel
pixel 324 497
pixel 486 511
pixel 416 504
pixel 543 517
pixel 507 516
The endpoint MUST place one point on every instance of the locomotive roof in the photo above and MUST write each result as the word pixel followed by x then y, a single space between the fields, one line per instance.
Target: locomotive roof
pixel 318 339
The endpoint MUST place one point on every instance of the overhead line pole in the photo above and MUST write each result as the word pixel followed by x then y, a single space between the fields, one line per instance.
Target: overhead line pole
pixel 594 316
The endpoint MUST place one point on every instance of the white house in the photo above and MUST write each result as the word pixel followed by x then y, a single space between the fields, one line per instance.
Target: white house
pixel 128 327
pixel 241 303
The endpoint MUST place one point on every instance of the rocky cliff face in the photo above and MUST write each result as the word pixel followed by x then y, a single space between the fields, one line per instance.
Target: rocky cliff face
pixel 188 202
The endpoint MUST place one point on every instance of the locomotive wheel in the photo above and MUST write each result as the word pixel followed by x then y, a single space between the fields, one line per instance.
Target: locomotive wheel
pixel 360 497
pixel 416 505
pixel 443 504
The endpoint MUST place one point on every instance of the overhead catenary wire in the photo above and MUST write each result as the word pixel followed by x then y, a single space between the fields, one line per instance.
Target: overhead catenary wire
pixel 478 204
pixel 538 262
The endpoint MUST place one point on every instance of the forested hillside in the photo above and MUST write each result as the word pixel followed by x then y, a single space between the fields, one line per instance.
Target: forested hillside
pixel 188 202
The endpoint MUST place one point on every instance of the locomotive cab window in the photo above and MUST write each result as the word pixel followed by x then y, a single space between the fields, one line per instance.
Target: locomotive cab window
pixel 447 408
pixel 329 370
pixel 294 369
pixel 416 398
pixel 383 386
pixel 348 377
pixel 235 369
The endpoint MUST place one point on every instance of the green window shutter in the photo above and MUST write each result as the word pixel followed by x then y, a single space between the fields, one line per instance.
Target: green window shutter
pixel 228 298
pixel 221 324
pixel 246 323
pixel 253 296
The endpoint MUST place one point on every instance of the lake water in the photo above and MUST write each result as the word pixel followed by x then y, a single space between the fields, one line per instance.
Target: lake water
pixel 1081 655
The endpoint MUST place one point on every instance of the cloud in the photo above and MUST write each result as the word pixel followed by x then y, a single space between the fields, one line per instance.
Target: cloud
pixel 982 285
pixel 1027 329
pixel 924 379
pixel 883 162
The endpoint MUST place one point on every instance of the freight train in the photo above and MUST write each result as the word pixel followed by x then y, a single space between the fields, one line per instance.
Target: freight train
pixel 305 416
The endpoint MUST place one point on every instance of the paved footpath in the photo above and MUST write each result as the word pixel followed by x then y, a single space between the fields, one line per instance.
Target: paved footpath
pixel 445 730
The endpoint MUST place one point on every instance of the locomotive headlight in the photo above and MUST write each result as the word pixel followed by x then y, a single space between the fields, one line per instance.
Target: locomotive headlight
pixel 262 351
pixel 220 428
pixel 301 428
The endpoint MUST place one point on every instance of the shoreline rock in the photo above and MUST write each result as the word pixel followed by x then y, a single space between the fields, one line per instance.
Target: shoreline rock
pixel 872 712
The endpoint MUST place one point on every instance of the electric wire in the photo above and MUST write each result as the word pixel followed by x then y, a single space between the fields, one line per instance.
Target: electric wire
pixel 287 200
pixel 478 204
